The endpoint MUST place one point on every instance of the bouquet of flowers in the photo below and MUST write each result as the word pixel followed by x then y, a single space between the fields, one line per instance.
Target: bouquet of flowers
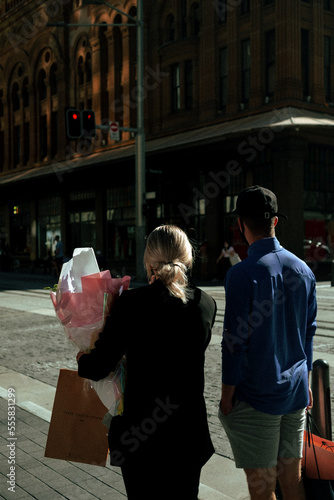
pixel 82 301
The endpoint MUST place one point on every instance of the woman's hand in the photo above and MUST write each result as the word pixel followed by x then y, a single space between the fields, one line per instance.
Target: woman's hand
pixel 81 353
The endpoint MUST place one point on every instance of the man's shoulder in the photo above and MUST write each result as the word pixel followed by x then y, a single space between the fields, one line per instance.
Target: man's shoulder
pixel 296 264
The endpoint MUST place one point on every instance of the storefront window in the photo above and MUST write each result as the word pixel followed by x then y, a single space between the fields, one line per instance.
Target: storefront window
pixel 48 225
pixel 82 229
pixel 121 231
pixel 21 233
pixel 319 204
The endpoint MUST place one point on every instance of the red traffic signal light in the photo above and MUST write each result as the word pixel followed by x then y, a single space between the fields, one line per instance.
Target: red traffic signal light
pixel 73 123
pixel 88 123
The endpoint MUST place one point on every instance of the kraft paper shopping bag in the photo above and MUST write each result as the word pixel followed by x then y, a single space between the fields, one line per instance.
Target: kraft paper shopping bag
pixel 76 431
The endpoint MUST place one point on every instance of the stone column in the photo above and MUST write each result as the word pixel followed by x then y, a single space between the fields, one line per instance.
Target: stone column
pixel 288 155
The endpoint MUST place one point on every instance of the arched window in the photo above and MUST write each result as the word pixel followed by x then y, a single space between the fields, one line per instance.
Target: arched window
pixel 80 71
pixel 195 19
pixel 1 103
pixel 88 67
pixel 15 97
pixel 25 93
pixel 41 85
pixel 169 29
pixel 53 79
pixel 103 50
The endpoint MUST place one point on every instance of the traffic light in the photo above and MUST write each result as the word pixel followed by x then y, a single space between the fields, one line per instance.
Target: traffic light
pixel 88 123
pixel 73 123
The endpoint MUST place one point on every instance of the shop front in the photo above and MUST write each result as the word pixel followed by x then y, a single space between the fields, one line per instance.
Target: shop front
pixel 191 181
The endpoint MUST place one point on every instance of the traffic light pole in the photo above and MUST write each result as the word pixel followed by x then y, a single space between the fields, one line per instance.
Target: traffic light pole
pixel 140 148
pixel 139 131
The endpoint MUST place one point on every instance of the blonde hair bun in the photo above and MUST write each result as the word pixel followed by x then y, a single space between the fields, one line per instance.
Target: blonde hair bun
pixel 170 254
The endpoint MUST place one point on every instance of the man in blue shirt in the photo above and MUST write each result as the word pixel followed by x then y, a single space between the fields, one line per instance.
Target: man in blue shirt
pixel 270 321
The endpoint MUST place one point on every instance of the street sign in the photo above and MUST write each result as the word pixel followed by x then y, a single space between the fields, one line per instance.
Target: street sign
pixel 114 131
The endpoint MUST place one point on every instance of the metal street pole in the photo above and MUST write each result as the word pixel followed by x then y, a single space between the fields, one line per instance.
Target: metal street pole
pixel 140 148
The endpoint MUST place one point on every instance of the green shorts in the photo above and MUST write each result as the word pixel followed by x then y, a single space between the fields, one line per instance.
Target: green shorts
pixel 257 439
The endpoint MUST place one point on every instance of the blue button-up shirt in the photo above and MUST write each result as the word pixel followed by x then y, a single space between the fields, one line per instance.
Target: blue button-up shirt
pixel 270 321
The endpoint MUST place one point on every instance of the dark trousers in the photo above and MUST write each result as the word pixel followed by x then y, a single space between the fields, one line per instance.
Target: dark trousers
pixel 161 481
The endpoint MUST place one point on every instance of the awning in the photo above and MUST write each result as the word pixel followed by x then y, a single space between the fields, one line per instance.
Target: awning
pixel 276 120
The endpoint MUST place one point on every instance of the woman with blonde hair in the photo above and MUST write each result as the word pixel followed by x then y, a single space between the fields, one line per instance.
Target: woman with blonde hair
pixel 162 440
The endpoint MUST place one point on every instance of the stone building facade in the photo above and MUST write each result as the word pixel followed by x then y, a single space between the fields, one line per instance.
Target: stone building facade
pixel 236 92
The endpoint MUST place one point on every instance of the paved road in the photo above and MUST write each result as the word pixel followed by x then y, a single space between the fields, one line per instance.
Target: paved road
pixel 34 344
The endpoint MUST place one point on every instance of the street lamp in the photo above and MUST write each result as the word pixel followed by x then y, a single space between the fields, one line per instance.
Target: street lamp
pixel 140 134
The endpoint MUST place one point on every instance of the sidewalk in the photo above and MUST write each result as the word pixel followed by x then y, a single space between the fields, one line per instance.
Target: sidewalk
pixel 37 477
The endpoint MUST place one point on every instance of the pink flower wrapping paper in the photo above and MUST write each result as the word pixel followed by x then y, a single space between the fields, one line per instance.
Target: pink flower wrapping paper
pixel 83 314
pixel 82 302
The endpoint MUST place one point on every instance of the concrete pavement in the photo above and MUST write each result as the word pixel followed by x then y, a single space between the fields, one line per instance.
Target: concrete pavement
pixel 43 478
pixel 48 479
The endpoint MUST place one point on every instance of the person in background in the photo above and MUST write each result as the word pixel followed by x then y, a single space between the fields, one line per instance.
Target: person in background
pixel 161 441
pixel 269 324
pixel 224 260
pixel 59 255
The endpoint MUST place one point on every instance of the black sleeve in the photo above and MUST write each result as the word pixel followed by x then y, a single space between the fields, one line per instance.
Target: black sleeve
pixel 109 348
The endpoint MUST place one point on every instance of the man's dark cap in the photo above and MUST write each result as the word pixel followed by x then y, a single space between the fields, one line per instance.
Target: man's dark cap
pixel 257 202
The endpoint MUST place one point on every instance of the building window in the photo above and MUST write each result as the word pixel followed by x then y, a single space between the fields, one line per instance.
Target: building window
pixel 80 71
pixel 176 89
pixel 319 203
pixel 223 69
pixel 169 31
pixel 53 79
pixel 319 180
pixel 88 67
pixel 25 93
pixel 2 150
pixel 245 7
pixel 246 69
pixel 195 19
pixel 15 97
pixel 305 55
pixel 327 68
pixel 270 62
pixel 189 85
pixel 221 9
pixel 54 133
pixel 26 142
pixel 1 103
pixel 43 137
pixel 17 148
pixel 41 85
pixel 184 18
